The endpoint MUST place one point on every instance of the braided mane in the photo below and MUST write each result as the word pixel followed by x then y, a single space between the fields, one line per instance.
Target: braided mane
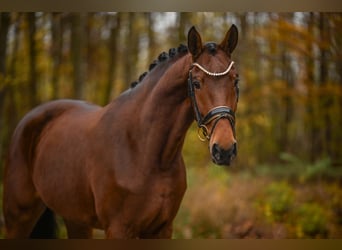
pixel 161 58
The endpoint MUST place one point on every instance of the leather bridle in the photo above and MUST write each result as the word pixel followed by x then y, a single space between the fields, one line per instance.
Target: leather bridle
pixel 216 113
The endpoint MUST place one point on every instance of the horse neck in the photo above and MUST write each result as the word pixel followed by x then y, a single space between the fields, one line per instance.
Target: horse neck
pixel 166 113
pixel 154 116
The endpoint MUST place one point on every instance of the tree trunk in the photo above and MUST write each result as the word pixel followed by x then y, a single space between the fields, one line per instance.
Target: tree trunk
pixel 4 26
pixel 132 50
pixel 5 19
pixel 31 18
pixel 151 39
pixel 113 55
pixel 183 22
pixel 326 98
pixel 56 51
pixel 288 77
pixel 78 53
pixel 310 65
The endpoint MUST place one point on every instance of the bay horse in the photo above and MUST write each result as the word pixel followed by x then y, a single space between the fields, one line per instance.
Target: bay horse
pixel 119 167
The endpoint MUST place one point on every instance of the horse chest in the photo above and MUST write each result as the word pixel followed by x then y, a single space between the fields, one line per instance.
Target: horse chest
pixel 163 199
pixel 160 208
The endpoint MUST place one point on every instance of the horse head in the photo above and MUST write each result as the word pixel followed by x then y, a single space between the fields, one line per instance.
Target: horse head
pixel 213 89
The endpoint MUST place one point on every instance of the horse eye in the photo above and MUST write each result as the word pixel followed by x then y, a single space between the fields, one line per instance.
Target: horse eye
pixel 197 84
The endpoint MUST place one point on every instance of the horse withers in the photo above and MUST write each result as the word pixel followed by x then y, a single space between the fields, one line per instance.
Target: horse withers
pixel 120 168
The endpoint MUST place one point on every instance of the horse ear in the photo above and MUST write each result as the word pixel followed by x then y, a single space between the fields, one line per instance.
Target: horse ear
pixel 194 42
pixel 230 40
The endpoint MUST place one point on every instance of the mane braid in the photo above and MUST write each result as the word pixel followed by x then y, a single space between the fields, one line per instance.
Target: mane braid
pixel 164 56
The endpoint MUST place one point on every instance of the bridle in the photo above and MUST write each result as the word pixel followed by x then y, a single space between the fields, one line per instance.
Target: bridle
pixel 216 113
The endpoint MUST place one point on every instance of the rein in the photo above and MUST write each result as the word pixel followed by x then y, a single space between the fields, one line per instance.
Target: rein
pixel 215 114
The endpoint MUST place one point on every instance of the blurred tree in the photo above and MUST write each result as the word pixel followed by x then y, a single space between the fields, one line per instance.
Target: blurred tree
pixel 151 37
pixel 310 79
pixel 56 51
pixel 183 23
pixel 324 30
pixel 115 25
pixel 5 21
pixel 131 48
pixel 287 76
pixel 33 73
pixel 4 26
pixel 78 53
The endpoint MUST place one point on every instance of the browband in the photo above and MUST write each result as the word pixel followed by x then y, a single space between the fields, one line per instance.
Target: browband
pixel 212 73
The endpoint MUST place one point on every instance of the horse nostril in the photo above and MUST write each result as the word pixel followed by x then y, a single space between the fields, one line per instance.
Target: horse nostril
pixel 216 152
pixel 221 156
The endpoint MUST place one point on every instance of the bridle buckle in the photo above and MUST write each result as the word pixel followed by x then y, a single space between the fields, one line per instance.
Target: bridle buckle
pixel 202 133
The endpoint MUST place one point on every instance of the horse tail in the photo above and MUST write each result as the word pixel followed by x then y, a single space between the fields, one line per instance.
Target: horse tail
pixel 46 226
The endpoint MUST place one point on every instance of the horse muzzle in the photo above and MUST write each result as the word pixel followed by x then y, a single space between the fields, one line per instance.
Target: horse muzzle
pixel 222 156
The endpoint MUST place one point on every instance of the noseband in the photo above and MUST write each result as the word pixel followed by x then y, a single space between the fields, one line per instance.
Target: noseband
pixel 215 114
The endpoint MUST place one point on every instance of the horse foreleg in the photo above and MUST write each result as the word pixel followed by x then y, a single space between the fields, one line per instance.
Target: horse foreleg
pixel 119 231
pixel 165 232
pixel 78 231
pixel 122 232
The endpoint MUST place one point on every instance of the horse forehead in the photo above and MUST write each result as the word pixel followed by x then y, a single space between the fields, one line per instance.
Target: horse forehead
pixel 213 58
pixel 211 48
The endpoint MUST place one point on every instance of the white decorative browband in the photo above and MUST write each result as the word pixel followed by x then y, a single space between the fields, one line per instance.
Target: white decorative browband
pixel 214 74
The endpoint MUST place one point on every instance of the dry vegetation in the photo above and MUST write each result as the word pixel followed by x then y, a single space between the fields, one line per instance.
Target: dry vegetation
pixel 220 204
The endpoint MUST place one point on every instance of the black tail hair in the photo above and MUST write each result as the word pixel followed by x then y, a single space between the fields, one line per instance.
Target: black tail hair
pixel 46 227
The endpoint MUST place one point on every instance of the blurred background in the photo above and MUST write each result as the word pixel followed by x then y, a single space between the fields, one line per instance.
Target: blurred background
pixel 286 181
